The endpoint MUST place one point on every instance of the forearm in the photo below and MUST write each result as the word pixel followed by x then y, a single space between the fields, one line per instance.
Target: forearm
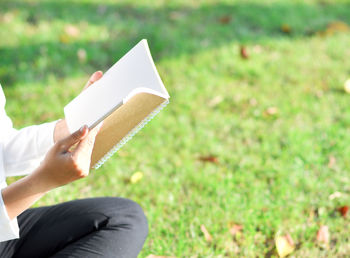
pixel 22 194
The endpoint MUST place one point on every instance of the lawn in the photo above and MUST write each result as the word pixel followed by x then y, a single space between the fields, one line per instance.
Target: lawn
pixel 259 139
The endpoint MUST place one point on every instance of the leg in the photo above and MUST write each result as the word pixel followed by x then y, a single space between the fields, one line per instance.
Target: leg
pixel 99 227
pixel 123 230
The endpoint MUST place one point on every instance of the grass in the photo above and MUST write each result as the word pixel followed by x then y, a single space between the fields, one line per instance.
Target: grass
pixel 272 174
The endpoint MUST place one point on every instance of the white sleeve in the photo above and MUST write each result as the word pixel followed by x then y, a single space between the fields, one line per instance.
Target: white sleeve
pixel 24 149
pixel 8 228
pixel 21 151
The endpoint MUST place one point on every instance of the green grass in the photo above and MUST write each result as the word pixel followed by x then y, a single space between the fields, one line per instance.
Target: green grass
pixel 272 170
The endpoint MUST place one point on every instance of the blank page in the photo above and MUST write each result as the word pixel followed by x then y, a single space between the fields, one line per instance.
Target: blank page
pixel 134 70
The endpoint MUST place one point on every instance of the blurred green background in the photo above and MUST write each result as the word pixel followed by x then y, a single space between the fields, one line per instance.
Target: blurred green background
pixel 257 131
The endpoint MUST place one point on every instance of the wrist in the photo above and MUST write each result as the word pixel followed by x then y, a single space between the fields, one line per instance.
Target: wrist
pixel 20 195
pixel 38 181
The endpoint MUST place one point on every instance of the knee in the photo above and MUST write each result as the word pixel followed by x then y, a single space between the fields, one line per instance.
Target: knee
pixel 140 222
pixel 131 215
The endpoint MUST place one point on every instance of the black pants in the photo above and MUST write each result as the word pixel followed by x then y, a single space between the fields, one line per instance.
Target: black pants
pixel 98 227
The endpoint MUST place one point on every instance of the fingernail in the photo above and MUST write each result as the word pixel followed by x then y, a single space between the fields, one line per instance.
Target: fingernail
pixel 82 128
pixel 96 74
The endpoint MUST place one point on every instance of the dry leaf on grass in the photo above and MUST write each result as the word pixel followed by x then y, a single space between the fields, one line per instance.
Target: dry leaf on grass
pixel 72 30
pixel 323 236
pixel 343 210
pixel 235 228
pixel 207 235
pixel 338 26
pixel 225 19
pixel 244 52
pixel 335 27
pixel 347 86
pixel 210 158
pixel 285 28
pixel 271 111
pixel 136 177
pixel 331 161
pixel 335 195
pixel 284 245
pixel 215 101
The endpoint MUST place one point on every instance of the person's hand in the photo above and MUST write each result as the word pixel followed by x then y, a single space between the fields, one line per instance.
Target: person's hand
pixel 61 130
pixel 68 160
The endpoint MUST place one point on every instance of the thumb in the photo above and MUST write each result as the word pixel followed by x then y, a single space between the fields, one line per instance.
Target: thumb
pixel 72 139
pixel 87 144
pixel 94 77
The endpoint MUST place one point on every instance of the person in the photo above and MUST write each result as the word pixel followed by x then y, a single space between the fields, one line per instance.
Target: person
pixel 94 227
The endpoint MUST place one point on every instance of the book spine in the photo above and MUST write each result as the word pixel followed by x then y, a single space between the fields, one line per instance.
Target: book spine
pixel 127 137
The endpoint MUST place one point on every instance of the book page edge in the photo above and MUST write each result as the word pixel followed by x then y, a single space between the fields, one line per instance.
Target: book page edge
pixel 131 133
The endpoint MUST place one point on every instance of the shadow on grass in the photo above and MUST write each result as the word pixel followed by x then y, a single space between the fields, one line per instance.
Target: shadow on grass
pixel 171 31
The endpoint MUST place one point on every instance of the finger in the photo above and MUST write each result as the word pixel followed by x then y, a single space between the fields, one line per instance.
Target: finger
pixel 94 77
pixel 99 126
pixel 72 139
pixel 86 145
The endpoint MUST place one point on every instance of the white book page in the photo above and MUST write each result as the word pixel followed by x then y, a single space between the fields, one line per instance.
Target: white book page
pixel 135 72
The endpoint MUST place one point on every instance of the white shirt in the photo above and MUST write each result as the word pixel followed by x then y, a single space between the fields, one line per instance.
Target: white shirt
pixel 21 151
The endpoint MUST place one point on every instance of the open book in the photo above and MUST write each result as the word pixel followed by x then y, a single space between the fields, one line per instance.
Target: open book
pixel 128 96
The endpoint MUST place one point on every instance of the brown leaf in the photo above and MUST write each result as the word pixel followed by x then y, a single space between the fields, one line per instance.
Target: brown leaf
pixel 343 210
pixel 244 52
pixel 207 235
pixel 210 158
pixel 331 161
pixel 225 19
pixel 235 228
pixel 285 28
pixel 323 235
pixel 337 26
pixel 333 28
